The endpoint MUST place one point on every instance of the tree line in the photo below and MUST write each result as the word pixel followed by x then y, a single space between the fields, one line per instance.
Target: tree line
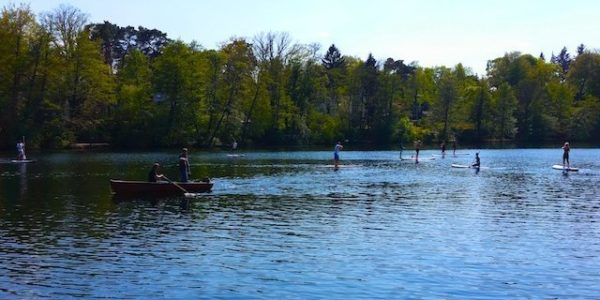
pixel 64 80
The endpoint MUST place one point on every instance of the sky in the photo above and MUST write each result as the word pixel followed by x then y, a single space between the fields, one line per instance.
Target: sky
pixel 431 33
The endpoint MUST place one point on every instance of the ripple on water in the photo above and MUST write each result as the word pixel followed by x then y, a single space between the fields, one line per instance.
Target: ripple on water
pixel 288 227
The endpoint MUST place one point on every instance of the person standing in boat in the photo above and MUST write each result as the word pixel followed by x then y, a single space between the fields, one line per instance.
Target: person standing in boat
pixel 21 151
pixel 566 148
pixel 336 153
pixel 184 165
pixel 154 175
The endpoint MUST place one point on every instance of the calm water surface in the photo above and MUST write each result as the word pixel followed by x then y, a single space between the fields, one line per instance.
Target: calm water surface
pixel 285 225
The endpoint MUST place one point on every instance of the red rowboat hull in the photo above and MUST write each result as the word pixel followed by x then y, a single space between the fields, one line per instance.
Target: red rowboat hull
pixel 162 188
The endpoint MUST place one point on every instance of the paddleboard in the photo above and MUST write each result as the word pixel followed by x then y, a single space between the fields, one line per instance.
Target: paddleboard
pixel 235 155
pixel 460 166
pixel 420 158
pixel 467 167
pixel 339 166
pixel 449 154
pixel 22 161
pixel 560 167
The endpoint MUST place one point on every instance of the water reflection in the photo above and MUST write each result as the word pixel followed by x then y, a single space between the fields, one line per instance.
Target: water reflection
pixel 286 225
pixel 22 173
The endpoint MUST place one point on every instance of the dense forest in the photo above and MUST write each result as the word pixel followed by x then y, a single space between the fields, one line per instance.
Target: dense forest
pixel 64 80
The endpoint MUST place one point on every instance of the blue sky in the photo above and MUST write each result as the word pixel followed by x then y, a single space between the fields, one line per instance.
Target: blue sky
pixel 433 33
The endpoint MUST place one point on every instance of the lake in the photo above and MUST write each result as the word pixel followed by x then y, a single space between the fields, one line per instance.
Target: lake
pixel 286 225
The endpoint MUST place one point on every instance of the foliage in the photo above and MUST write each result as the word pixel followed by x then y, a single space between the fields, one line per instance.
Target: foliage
pixel 63 80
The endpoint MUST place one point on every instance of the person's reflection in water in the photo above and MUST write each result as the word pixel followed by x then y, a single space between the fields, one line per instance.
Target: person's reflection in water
pixel 22 167
pixel 185 204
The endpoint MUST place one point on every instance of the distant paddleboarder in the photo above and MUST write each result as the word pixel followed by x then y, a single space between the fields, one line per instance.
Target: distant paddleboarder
pixel 443 147
pixel 477 163
pixel 566 148
pixel 454 147
pixel 566 165
pixel 417 148
pixel 21 150
pixel 336 153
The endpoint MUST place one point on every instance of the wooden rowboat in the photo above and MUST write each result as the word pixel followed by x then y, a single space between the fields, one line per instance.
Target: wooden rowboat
pixel 162 188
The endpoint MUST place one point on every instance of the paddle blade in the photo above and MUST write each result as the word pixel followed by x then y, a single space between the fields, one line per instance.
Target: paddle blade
pixel 192 195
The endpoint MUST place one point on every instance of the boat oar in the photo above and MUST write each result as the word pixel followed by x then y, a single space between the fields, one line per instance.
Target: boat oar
pixel 185 192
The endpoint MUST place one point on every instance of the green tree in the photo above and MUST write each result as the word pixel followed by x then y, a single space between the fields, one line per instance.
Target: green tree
pixel 239 62
pixel 364 99
pixel 395 85
pixel 504 107
pixel 481 112
pixel 585 75
pixel 335 69
pixel 563 61
pixel 35 115
pixel 17 29
pixel 94 91
pixel 559 110
pixel 65 25
pixel 447 97
pixel 274 51
pixel 177 87
pixel 585 123
pixel 117 41
pixel 528 77
pixel 135 112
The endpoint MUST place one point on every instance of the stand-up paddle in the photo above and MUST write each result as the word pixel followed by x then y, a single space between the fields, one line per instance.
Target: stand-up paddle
pixel 185 192
pixel 566 165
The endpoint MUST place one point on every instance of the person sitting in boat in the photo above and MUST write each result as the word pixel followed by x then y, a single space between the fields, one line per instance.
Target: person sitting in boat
pixel 566 149
pixel 477 161
pixel 21 151
pixel 153 175
pixel 184 165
